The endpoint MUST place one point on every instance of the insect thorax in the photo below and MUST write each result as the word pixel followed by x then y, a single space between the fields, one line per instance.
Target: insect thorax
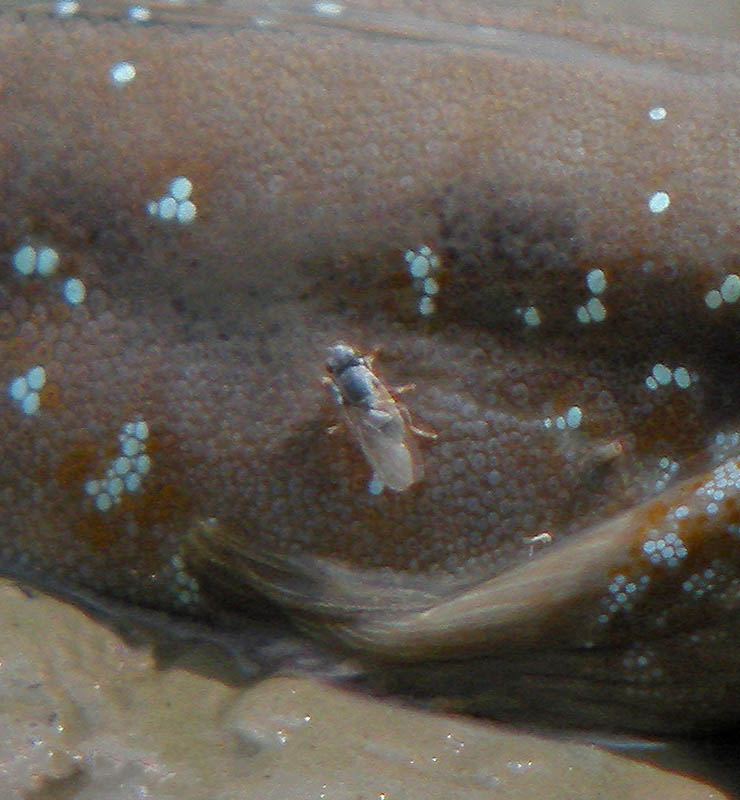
pixel 357 386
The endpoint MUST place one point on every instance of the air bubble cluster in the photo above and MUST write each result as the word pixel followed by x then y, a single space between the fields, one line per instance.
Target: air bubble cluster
pixel 25 390
pixel 593 309
pixel 126 471
pixel 176 205
pixel 423 264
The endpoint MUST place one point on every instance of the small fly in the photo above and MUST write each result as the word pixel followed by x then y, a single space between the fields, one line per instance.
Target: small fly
pixel 375 419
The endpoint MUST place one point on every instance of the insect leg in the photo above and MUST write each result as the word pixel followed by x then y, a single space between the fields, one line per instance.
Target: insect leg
pixel 432 435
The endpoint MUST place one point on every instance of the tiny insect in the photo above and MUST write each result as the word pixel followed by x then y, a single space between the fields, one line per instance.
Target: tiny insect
pixel 374 419
pixel 540 538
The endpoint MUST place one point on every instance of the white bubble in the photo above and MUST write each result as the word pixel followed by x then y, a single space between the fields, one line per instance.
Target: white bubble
pixel 662 374
pixel 375 486
pixel 651 383
pixel 115 487
pixel 186 212
pixel 573 417
pixel 139 14
pixel 30 403
pixel 103 502
pixel 181 188
pixel 36 378
pixel 430 286
pixel 24 259
pixel 426 306
pixel 583 315
pixel 130 447
pixel 47 261
pixel 531 317
pixel 713 299
pixel 657 113
pixel 167 208
pixel 328 9
pixel 74 291
pixel 419 267
pixel 122 465
pixel 132 482
pixel 66 8
pixel 682 378
pixel 122 73
pixel 596 281
pixel 730 289
pixel 18 388
pixel 659 202
pixel 596 309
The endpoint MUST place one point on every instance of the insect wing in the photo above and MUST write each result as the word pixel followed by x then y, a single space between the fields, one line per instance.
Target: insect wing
pixel 385 440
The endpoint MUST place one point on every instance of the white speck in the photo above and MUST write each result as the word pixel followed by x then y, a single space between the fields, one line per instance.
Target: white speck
pixel 167 208
pixel 730 289
pixel 419 267
pixel 681 512
pixel 122 73
pixel 531 317
pixel 103 502
pixel 30 403
pixel 375 486
pixel 573 417
pixel 47 261
pixel 139 14
pixel 24 259
pixel 143 464
pixel 130 447
pixel 141 430
pixel 431 286
pixel 712 508
pixel 662 374
pixel 18 388
pixel 181 188
pixel 36 378
pixel 596 309
pixel 651 383
pixel 66 8
pixel 713 299
pixel 328 9
pixel 92 488
pixel 186 212
pixel 115 487
pixel 426 306
pixel 659 202
pixel 132 482
pixel 583 315
pixel 596 281
pixel 122 465
pixel 682 378
pixel 152 207
pixel 657 113
pixel 560 423
pixel 547 422
pixel 74 291
pixel 518 767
